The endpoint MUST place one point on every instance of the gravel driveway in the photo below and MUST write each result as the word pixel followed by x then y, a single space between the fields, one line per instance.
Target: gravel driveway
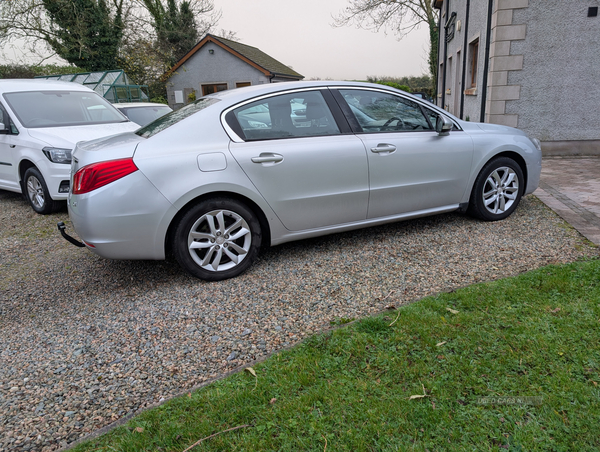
pixel 85 341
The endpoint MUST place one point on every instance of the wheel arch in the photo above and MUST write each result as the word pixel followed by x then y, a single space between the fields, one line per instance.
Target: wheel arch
pixel 517 158
pixel 24 165
pixel 260 215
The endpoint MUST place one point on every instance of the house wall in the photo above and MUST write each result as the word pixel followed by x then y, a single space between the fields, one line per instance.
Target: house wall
pixel 478 12
pixel 455 93
pixel 543 67
pixel 204 68
pixel 559 92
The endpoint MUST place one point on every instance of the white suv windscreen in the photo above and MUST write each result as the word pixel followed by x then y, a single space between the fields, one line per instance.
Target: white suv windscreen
pixel 36 109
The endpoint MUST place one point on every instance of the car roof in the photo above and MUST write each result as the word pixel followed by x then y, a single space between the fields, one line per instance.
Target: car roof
pixel 233 96
pixel 239 94
pixel 20 85
pixel 139 104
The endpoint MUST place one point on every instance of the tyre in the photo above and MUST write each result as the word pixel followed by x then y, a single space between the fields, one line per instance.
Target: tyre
pixel 497 190
pixel 217 239
pixel 36 192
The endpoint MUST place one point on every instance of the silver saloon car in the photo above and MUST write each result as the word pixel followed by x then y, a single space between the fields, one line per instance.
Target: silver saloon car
pixel 236 170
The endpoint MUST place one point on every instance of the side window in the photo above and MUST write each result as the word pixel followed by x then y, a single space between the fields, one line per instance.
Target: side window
pixel 433 116
pixel 293 115
pixel 8 124
pixel 382 112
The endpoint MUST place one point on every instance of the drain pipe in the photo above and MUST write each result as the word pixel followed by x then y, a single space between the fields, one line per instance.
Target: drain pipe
pixel 465 56
pixel 486 64
pixel 445 54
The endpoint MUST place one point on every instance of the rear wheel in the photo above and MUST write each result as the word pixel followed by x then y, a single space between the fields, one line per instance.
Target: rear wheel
pixel 497 190
pixel 217 239
pixel 36 192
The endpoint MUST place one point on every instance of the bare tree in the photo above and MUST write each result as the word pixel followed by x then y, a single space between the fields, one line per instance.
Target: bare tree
pixel 400 16
pixel 33 24
pixel 86 33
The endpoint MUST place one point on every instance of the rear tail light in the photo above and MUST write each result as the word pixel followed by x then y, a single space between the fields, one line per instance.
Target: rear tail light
pixel 96 175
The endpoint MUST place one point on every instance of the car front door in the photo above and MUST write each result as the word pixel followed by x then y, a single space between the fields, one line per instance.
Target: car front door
pixel 310 172
pixel 411 167
pixel 9 147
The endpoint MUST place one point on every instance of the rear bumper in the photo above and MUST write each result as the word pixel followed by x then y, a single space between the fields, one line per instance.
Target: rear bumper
pixel 122 220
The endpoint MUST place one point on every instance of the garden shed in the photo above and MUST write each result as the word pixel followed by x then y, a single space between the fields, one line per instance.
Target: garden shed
pixel 113 85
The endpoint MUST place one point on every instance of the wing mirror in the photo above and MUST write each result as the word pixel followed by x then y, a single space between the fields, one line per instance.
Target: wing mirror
pixel 443 125
pixel 3 129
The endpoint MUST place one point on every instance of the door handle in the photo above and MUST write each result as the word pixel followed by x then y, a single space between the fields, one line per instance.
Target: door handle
pixel 12 145
pixel 383 147
pixel 268 158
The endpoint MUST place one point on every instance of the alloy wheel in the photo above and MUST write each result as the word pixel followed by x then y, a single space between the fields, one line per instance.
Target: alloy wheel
pixel 219 240
pixel 500 190
pixel 35 190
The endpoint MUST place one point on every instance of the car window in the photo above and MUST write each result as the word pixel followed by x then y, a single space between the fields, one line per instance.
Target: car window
pixel 381 112
pixel 8 124
pixel 433 116
pixel 174 117
pixel 286 116
pixel 36 109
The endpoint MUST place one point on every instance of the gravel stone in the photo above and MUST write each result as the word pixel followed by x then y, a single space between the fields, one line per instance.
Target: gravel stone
pixel 85 341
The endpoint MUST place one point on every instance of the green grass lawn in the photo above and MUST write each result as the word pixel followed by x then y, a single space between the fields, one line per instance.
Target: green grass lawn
pixel 536 335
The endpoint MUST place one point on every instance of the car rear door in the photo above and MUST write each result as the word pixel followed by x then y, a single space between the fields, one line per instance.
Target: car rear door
pixel 411 167
pixel 311 169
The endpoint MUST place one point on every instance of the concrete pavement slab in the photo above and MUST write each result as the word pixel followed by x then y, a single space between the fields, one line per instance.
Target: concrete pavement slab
pixel 570 186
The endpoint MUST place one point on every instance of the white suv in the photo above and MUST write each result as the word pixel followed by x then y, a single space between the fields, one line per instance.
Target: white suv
pixel 40 123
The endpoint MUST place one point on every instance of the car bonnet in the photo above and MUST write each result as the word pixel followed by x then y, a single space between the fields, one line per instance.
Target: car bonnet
pixel 68 136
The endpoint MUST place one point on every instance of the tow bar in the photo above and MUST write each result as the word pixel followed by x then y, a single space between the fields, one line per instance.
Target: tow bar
pixel 61 227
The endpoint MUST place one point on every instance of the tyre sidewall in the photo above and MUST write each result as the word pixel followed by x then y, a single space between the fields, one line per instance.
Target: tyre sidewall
pixel 477 207
pixel 179 244
pixel 48 206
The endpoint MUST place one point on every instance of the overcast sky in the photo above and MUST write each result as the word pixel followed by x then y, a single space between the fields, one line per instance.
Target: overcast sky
pixel 300 35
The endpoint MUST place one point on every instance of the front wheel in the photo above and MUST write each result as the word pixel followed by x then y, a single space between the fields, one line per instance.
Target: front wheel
pixel 37 192
pixel 497 190
pixel 217 239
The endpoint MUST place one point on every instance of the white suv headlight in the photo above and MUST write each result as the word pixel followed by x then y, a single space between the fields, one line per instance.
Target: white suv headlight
pixel 58 155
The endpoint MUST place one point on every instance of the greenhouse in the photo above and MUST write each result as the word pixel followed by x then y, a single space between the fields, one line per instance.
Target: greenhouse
pixel 113 85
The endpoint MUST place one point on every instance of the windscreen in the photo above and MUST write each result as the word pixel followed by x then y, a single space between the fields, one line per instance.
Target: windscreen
pixel 36 109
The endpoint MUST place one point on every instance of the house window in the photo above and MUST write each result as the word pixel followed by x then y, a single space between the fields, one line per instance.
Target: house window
pixel 242 84
pixel 473 60
pixel 213 88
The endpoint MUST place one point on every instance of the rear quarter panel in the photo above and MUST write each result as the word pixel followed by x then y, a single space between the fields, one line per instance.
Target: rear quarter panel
pixel 170 160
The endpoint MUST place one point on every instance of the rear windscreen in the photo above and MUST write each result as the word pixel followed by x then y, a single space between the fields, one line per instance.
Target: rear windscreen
pixel 173 118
